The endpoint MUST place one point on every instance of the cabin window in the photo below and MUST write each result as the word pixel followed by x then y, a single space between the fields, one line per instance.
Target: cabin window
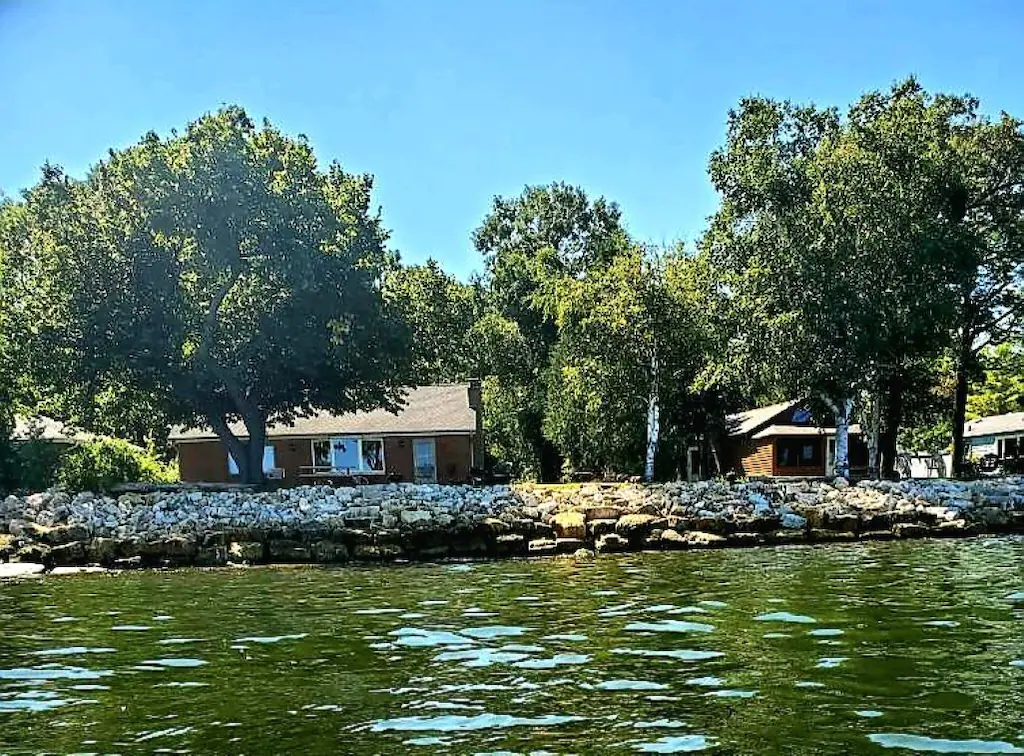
pixel 797 452
pixel 269 461
pixel 322 452
pixel 802 416
pixel 349 454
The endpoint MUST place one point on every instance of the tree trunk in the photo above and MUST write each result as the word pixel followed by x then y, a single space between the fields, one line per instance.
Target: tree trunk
pixel 960 410
pixel 893 420
pixel 653 412
pixel 257 427
pixel 842 410
pixel 872 428
pixel 248 455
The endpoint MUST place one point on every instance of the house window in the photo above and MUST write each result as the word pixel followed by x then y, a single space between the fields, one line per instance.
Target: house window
pixel 269 461
pixel 349 455
pixel 322 452
pixel 1011 448
pixel 797 452
pixel 802 416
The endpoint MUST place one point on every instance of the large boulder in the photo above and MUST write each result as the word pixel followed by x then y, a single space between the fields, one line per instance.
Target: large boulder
pixel 570 525
pixel 635 527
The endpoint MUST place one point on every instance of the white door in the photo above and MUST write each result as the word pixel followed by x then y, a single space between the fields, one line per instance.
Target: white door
pixel 424 460
pixel 830 457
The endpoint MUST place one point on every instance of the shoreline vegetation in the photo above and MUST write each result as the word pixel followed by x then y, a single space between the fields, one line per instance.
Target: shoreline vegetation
pixel 408 522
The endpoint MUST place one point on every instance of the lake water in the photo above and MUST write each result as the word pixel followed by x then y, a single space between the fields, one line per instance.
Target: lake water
pixel 866 648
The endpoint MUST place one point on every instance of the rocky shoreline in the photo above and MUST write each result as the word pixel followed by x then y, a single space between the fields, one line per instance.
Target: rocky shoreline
pixel 320 524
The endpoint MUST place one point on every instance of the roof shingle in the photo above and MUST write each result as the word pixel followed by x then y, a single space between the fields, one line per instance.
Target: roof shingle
pixel 428 410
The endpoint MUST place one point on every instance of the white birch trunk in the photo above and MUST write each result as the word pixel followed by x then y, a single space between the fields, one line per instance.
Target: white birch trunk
pixel 652 421
pixel 842 410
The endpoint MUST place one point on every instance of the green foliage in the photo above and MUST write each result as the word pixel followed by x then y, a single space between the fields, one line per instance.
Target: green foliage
pixel 440 312
pixel 930 438
pixel 100 465
pixel 214 274
pixel 1002 388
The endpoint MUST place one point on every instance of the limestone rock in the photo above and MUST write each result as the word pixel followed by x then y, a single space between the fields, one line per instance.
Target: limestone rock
pixel 542 547
pixel 635 526
pixel 610 543
pixel 699 540
pixel 569 525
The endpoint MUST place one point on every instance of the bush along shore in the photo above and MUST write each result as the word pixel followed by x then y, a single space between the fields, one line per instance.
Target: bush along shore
pixel 320 524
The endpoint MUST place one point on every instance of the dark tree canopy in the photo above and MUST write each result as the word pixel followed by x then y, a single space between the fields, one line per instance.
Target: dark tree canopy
pixel 220 271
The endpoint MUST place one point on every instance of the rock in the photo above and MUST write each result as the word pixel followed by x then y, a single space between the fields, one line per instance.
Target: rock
pixel 10 570
pixel 597 528
pixel 288 551
pixel 743 540
pixel 635 527
pixel 568 545
pixel 698 540
pixel 610 543
pixel 103 550
pixel 494 527
pixel 909 530
pixel 33 552
pixel 245 551
pixel 583 555
pixel 542 547
pixel 840 483
pixel 845 521
pixel 69 553
pixel 672 539
pixel 601 513
pixel 569 525
pixel 792 521
pixel 510 543
pixel 991 517
pixel 417 517
pixel 328 551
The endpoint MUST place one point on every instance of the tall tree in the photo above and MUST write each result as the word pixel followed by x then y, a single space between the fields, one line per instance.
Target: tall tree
pixel 222 271
pixel 441 313
pixel 530 242
pixel 833 238
pixel 986 200
pixel 632 343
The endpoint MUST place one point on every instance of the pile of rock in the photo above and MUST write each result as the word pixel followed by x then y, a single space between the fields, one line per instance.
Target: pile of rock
pixel 406 521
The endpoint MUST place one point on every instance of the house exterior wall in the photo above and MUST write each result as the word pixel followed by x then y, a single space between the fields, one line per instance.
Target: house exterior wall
pixel 755 457
pixel 203 461
pixel 207 462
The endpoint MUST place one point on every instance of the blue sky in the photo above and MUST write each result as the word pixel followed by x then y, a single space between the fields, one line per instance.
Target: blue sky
pixel 449 103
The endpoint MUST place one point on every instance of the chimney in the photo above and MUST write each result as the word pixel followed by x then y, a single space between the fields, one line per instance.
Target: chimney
pixel 476 403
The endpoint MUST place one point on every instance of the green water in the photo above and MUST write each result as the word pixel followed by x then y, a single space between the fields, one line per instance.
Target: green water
pixel 867 648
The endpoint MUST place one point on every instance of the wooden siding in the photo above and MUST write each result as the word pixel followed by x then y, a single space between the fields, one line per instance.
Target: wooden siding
pixel 207 461
pixel 203 462
pixel 756 457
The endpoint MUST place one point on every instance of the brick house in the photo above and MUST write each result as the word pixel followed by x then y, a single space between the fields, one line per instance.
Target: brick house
pixel 436 437
pixel 786 440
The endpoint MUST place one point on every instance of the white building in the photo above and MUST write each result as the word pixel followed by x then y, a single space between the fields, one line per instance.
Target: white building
pixel 1001 435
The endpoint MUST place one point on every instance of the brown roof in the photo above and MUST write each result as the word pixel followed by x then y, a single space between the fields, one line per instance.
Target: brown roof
pixel 744 422
pixel 428 410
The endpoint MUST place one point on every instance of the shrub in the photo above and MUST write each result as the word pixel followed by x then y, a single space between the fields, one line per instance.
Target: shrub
pixel 100 465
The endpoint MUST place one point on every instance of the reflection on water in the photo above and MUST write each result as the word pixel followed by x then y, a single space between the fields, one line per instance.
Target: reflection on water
pixel 865 648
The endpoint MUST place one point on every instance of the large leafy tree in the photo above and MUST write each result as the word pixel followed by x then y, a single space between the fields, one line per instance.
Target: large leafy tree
pixel 986 200
pixel 632 343
pixel 529 243
pixel 1001 387
pixel 441 312
pixel 833 241
pixel 220 271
